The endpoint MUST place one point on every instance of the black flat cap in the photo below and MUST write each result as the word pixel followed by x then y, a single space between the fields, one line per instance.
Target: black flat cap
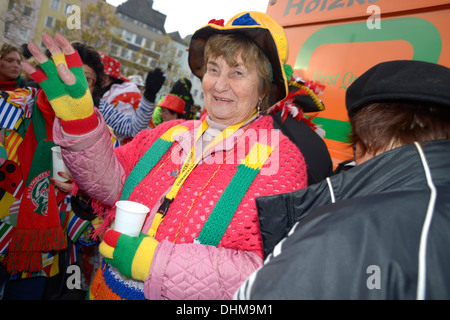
pixel 400 81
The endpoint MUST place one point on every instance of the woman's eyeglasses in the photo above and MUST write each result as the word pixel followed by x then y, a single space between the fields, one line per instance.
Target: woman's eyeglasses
pixel 90 80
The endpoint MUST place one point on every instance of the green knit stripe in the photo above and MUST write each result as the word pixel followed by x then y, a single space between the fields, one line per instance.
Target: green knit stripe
pixel 150 159
pixel 78 89
pixel 144 166
pixel 124 253
pixel 226 206
pixel 53 85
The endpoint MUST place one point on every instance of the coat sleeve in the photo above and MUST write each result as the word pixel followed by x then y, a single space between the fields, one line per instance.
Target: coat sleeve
pixel 92 162
pixel 214 273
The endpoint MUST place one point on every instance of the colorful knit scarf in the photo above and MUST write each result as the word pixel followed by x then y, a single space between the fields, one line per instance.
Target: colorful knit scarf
pixel 38 223
pixel 223 212
pixel 10 85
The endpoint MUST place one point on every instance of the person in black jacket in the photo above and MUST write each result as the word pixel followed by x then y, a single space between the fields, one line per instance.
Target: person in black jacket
pixel 379 230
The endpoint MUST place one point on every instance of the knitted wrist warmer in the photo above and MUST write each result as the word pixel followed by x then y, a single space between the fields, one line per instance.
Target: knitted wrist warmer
pixel 131 255
pixel 70 102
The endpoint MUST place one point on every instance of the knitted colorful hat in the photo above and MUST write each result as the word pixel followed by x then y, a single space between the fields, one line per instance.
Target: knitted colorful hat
pixel 112 67
pixel 259 27
pixel 173 103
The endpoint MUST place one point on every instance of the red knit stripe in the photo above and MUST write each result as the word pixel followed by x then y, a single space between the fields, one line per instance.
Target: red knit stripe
pixel 111 237
pixel 80 126
pixel 73 60
pixel 38 76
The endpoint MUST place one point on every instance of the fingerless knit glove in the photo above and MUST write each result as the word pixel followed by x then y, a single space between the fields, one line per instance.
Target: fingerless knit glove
pixel 131 255
pixel 70 102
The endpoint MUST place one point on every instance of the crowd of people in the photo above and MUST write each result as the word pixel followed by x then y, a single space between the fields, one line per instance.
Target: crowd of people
pixel 243 199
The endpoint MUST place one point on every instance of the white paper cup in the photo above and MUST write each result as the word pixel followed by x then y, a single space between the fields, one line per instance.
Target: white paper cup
pixel 58 164
pixel 130 217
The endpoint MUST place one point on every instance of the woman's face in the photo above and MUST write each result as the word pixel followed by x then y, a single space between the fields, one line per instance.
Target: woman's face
pixel 90 77
pixel 10 66
pixel 166 115
pixel 231 92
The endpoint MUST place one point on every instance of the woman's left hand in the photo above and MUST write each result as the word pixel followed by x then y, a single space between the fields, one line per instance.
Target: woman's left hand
pixel 62 78
pixel 66 186
pixel 131 255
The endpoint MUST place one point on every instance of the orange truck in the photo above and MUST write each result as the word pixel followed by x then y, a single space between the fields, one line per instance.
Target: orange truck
pixel 334 41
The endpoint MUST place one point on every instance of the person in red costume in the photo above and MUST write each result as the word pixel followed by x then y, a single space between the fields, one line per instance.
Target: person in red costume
pixel 199 179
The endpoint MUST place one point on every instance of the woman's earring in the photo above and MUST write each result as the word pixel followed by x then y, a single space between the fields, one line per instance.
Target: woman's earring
pixel 258 106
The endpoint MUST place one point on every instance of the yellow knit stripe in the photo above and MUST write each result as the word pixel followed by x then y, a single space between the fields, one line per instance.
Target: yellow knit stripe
pixel 257 155
pixel 78 111
pixel 168 135
pixel 59 58
pixel 142 260
pixel 106 250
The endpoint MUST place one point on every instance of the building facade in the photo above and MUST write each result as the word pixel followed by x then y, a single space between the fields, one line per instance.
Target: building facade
pixel 140 41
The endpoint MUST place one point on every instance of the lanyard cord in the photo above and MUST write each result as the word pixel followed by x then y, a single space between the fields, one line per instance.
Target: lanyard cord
pixel 189 164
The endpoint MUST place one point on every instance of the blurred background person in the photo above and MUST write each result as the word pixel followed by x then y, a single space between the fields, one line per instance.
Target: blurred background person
pixel 10 67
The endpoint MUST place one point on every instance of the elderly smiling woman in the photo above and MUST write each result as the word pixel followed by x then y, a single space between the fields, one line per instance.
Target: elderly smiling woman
pixel 199 179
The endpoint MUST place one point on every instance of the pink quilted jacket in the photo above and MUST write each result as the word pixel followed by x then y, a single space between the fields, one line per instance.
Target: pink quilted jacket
pixel 181 269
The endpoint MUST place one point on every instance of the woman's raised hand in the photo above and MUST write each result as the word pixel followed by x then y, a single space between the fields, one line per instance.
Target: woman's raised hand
pixel 62 78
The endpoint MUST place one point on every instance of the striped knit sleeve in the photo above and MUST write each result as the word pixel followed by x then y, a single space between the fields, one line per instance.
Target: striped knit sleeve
pixel 125 125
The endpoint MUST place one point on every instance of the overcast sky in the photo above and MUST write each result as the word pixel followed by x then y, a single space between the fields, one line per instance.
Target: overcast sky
pixel 187 16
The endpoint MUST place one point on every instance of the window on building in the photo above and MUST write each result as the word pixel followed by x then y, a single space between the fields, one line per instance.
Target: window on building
pixel 124 53
pixel 54 4
pixel 22 34
pixel 128 36
pixel 7 27
pixel 27 11
pixel 49 22
pixel 67 11
pixel 138 40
